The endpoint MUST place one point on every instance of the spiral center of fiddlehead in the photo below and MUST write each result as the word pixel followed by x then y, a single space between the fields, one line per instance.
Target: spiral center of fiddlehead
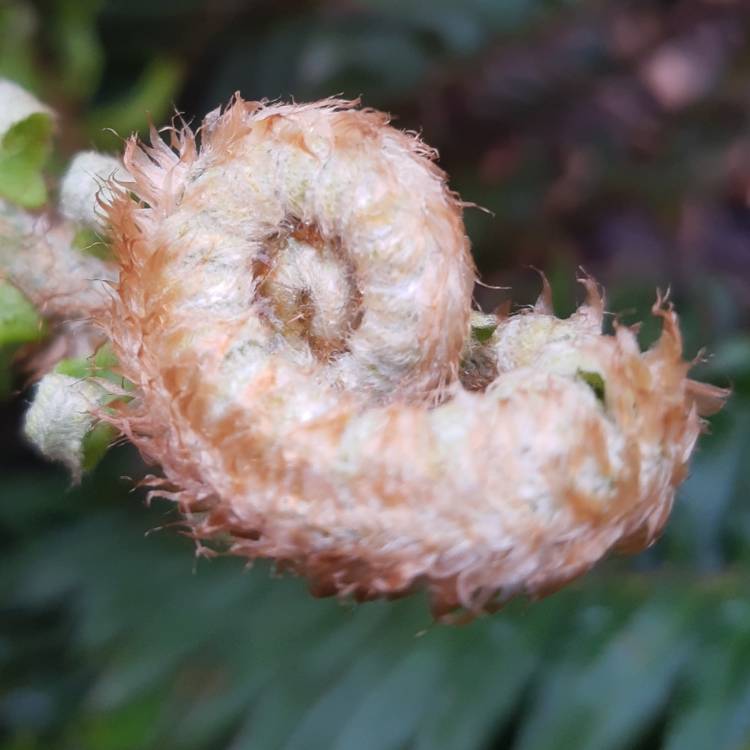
pixel 307 289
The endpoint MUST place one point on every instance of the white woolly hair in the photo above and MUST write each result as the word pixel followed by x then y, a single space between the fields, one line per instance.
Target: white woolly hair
pixel 84 188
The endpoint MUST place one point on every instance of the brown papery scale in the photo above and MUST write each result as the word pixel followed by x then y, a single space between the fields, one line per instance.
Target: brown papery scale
pixel 294 309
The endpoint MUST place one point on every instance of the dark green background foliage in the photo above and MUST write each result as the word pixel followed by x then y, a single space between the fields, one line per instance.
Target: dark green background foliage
pixel 612 135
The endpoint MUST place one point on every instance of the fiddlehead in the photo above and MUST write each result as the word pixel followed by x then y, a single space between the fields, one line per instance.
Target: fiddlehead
pixel 294 310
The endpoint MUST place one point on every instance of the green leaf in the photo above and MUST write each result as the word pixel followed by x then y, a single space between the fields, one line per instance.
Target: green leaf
pixel 20 323
pixel 359 694
pixel 483 326
pixel 716 710
pixel 595 381
pixel 472 700
pixel 100 365
pixel 95 445
pixel 394 707
pixel 632 676
pixel 90 243
pixel 125 728
pixel 24 150
pixel 713 495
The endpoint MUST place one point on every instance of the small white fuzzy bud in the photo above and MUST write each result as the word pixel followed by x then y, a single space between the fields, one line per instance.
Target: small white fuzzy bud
pixel 60 417
pixel 17 104
pixel 84 183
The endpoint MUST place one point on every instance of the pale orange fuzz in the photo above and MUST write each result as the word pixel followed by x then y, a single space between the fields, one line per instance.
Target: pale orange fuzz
pixel 294 308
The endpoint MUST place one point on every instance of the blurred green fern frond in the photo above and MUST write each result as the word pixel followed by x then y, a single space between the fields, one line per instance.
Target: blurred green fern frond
pixel 114 640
